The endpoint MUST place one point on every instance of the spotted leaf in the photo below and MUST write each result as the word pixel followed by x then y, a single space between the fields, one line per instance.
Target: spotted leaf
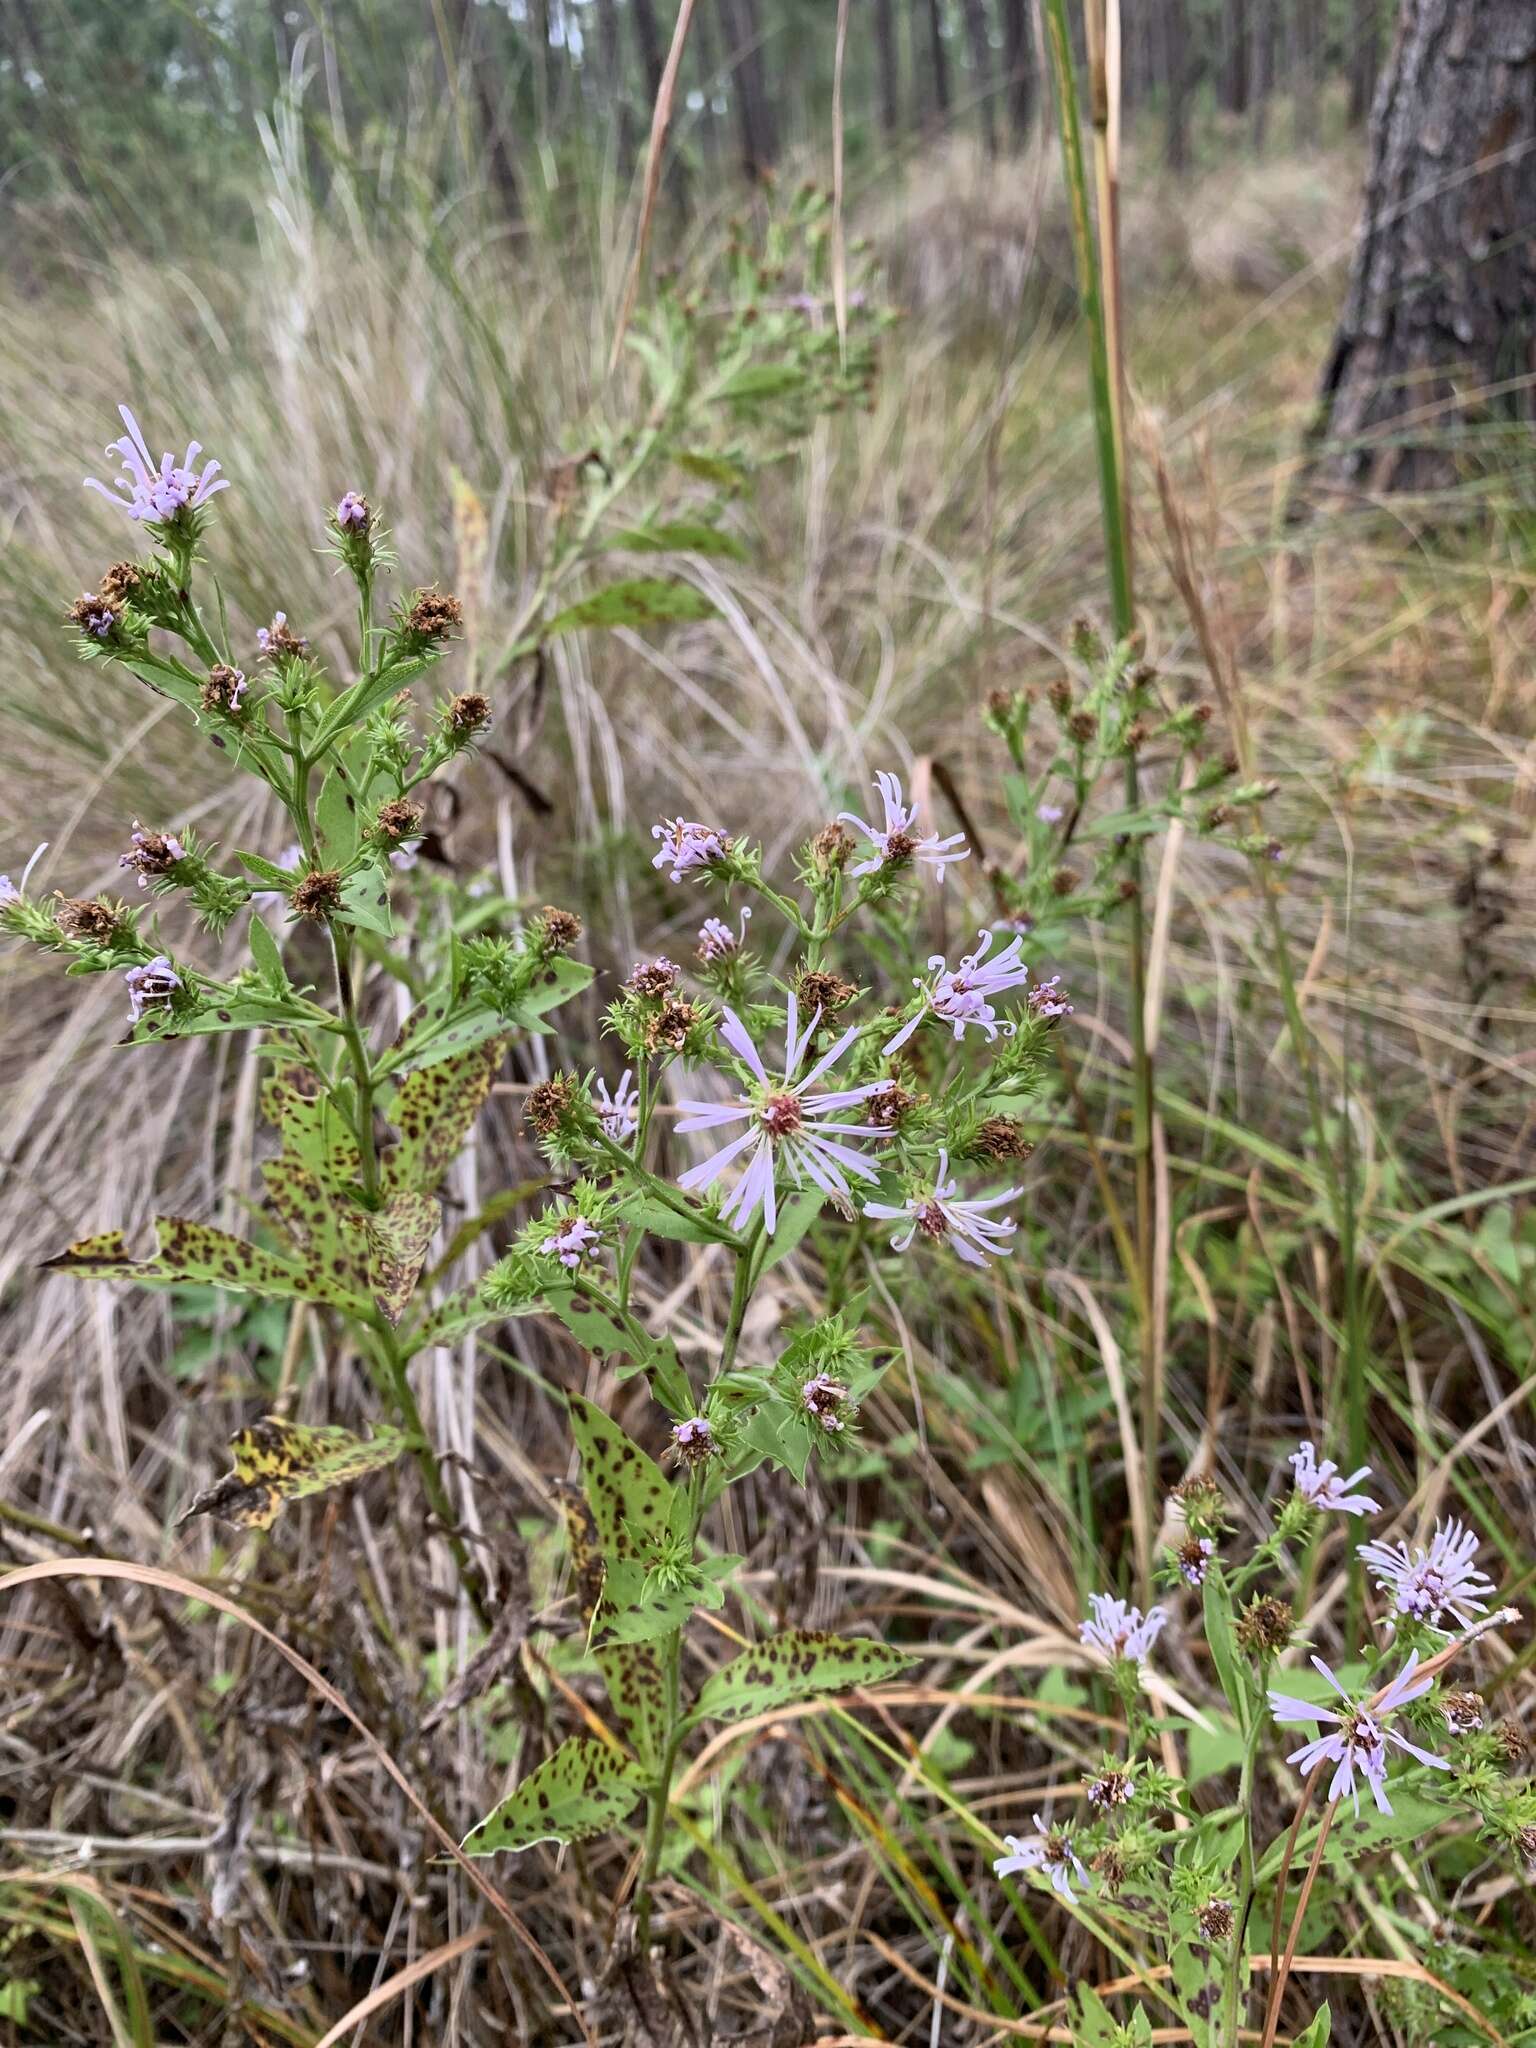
pixel 795 1666
pixel 199 1253
pixel 277 1461
pixel 433 1109
pixel 397 1237
pixel 584 1789
pixel 628 1493
pixel 635 1676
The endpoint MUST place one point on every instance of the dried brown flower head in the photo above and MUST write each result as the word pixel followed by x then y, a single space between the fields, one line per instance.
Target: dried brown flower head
pixel 88 917
pixel 818 988
pixel 831 847
pixel 434 615
pixel 399 819
pixel 469 713
pixel 672 1024
pixel 122 582
pixel 549 1104
pixel 1264 1626
pixel 1001 1137
pixel 317 894
pixel 558 929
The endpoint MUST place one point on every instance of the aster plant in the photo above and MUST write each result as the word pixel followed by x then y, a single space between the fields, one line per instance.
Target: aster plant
pixel 1393 1744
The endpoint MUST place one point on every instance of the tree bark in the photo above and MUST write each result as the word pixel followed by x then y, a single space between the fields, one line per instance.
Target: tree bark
pixel 1019 63
pixel 754 115
pixel 1442 295
pixel 936 101
pixel 890 70
pixel 1176 133
pixel 981 69
pixel 1364 59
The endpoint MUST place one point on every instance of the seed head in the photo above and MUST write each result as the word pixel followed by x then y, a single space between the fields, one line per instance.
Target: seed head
pixel 468 714
pixel 434 615
pixel 317 894
pixel 673 1024
pixel 1465 1712
pixel 820 989
pixel 1217 1920
pixel 1111 1868
pixel 1264 1626
pixel 122 583
pixel 1064 881
pixel 1082 727
pixel 399 819
pixel 549 1104
pixel 1511 1741
pixel 1060 693
pixel 889 1107
pixel 1001 1137
pixel 1111 1789
pixel 87 917
pixel 831 847
pixel 558 929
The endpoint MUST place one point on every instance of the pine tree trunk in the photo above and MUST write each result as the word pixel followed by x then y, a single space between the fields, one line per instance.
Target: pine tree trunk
pixel 890 69
pixel 1442 294
pixel 981 69
pixel 1019 63
pixel 1364 59
pixel 1176 133
pixel 926 24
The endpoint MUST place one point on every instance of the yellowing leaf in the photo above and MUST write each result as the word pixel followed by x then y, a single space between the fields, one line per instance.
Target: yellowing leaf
pixel 582 1790
pixel 277 1461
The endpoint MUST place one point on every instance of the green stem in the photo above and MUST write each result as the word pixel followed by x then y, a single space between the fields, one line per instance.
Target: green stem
pixel 397 1385
pixel 1237 1977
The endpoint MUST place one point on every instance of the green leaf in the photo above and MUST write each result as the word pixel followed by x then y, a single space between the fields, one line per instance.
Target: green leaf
pixel 762 380
pixel 1224 1651
pixel 584 1789
pixel 721 470
pixel 795 1218
pixel 664 1369
pixel 365 901
pixel 650 1215
pixel 277 1461
pixel 627 1491
pixel 637 1607
pixel 796 1666
pixel 354 705
pixel 590 1323
pixel 265 952
pixel 637 601
pixel 338 817
pixel 679 536
pixel 267 871
pixel 1317 2032
pixel 397 1237
pixel 433 1109
pixel 782 1434
pixel 247 1011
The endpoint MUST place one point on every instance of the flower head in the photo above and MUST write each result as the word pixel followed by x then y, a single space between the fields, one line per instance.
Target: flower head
pixel 1323 1486
pixel 152 984
pixel 718 942
pixel 1428 1583
pixel 1193 1559
pixel 941 1213
pixel 686 846
pixel 1048 1850
pixel 157 494
pixel 1355 1739
pixel 1465 1712
pixel 151 853
pixel 224 689
pixel 963 995
pixel 694 1440
pixel 1048 1000
pixel 824 1399
pixel 97 616
pixel 653 979
pixel 897 841
pixel 794 1128
pixel 1120 1630
pixel 574 1240
pixel 279 642
pixel 1111 1788
pixel 619 1113
pixel 353 514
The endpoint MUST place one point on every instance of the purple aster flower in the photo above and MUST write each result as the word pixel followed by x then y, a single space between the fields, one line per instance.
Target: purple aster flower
pixel 824 1400
pixel 619 1113
pixel 1111 1789
pixel 12 892
pixel 152 984
pixel 1194 1558
pixel 1120 1630
pixel 1048 1850
pixel 1356 1740
pixel 694 1440
pixel 95 616
pixel 942 1214
pixel 897 840
pixel 718 942
pixel 147 492
pixel 1048 999
pixel 686 846
pixel 962 995
pixel 574 1240
pixel 151 853
pixel 403 858
pixel 1049 814
pixel 278 639
pixel 793 1127
pixel 1429 1583
pixel 353 511
pixel 1322 1486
